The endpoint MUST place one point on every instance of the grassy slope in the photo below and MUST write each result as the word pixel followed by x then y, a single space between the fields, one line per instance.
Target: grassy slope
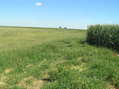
pixel 28 55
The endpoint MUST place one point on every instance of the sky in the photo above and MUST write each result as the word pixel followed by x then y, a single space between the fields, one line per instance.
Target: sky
pixel 55 13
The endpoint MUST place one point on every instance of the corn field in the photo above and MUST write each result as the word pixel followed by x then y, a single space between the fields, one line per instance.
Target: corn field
pixel 104 35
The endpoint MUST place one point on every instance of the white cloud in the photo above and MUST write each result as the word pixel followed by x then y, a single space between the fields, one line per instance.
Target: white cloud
pixel 39 4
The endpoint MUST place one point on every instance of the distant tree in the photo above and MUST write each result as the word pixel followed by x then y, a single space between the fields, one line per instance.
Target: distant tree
pixel 65 28
pixel 60 27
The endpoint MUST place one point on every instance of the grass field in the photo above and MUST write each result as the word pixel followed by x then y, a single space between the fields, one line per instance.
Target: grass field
pixel 40 58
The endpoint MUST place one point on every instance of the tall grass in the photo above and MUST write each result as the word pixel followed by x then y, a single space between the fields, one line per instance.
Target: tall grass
pixel 104 35
pixel 54 59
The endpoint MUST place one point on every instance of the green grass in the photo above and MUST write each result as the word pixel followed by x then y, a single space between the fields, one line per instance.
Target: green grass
pixel 29 56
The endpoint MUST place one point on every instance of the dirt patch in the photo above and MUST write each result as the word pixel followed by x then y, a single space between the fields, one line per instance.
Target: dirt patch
pixel 110 86
pixel 31 83
pixel 116 55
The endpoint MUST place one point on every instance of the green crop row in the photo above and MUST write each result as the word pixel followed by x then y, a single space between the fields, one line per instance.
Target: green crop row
pixel 104 35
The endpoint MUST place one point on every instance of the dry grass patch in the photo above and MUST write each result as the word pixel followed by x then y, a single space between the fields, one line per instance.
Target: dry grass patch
pixel 7 71
pixel 110 86
pixel 31 83
pixel 4 78
pixel 29 65
pixel 79 67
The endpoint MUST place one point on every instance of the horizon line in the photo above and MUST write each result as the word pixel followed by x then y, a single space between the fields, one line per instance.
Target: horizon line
pixel 21 26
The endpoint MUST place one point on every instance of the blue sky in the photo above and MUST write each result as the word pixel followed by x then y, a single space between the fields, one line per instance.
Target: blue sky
pixel 54 13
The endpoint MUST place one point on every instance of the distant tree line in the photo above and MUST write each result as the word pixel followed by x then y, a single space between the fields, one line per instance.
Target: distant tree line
pixel 60 27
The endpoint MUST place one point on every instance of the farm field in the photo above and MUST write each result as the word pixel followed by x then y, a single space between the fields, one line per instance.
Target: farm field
pixel 47 58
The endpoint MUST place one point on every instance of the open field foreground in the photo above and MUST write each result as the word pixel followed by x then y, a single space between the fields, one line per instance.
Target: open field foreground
pixel 40 58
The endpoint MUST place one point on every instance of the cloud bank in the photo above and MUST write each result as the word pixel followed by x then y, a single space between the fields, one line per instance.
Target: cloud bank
pixel 39 4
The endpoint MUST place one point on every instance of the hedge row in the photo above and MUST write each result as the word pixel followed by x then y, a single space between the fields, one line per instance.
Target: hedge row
pixel 104 35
